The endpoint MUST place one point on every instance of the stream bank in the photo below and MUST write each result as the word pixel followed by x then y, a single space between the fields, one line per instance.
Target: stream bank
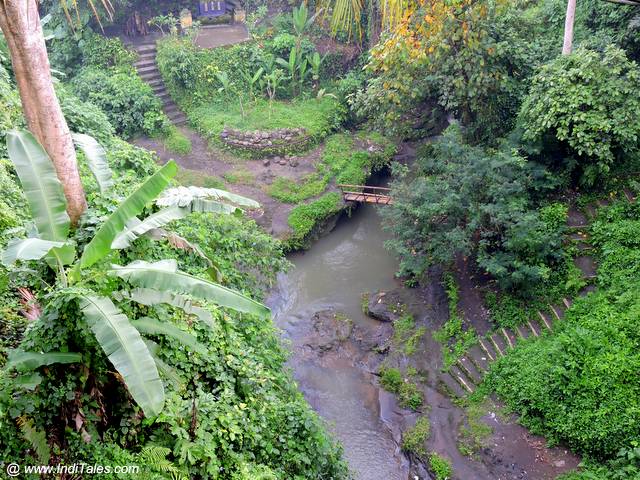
pixel 337 352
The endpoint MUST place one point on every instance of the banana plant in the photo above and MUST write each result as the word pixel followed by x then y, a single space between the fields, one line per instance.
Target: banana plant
pixel 291 67
pixel 315 62
pixel 228 87
pixel 252 81
pixel 134 357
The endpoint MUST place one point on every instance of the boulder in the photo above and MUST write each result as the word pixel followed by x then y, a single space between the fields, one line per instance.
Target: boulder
pixel 385 306
pixel 266 162
pixel 330 329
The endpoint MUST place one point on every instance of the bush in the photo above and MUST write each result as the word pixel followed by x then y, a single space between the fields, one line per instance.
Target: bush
pixel 580 385
pixel 467 200
pixel 128 102
pixel 101 51
pixel 391 379
pixel 414 439
pixel 84 117
pixel 440 466
pixel 587 102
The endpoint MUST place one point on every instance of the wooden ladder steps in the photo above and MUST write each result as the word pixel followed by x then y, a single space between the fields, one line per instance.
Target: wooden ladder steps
pixel 499 344
pixel 534 327
pixel 487 349
pixel 523 332
pixel 558 311
pixel 629 195
pixel 509 337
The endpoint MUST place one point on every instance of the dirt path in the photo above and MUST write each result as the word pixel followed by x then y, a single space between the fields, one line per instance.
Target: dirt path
pixel 250 178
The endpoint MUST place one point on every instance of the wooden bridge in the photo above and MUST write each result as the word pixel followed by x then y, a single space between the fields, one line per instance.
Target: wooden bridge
pixel 366 194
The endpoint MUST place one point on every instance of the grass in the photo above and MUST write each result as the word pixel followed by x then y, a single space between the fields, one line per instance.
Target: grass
pixel 304 218
pixel 175 141
pixel 455 340
pixel 440 466
pixel 317 116
pixel 409 395
pixel 474 434
pixel 406 335
pixel 289 191
pixel 240 176
pixel 413 440
pixel 188 177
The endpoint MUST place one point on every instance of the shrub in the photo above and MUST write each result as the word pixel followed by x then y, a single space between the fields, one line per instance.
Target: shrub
pixel 101 51
pixel 440 466
pixel 84 117
pixel 414 439
pixel 587 102
pixel 128 102
pixel 467 200
pixel 580 385
pixel 391 379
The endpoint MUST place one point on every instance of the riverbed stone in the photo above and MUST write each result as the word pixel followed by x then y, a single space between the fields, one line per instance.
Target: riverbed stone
pixel 385 306
pixel 330 329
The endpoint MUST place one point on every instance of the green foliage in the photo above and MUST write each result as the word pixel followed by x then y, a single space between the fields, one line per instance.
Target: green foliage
pixel 317 117
pixel 453 336
pixel 391 379
pixel 440 466
pixel 409 395
pixel 586 102
pixel 240 176
pixel 471 201
pixel 475 432
pixel 626 466
pixel 128 102
pixel 557 383
pixel 304 218
pixel 290 191
pixel 197 178
pixel 406 335
pixel 414 439
pixel 103 52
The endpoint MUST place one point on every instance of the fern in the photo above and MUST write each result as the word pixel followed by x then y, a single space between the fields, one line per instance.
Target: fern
pixel 155 459
pixel 37 439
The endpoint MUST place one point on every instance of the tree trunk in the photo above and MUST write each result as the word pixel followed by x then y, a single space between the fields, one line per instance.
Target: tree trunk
pixel 568 27
pixel 20 23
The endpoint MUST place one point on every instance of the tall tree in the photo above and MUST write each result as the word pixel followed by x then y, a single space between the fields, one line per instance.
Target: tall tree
pixel 567 45
pixel 20 24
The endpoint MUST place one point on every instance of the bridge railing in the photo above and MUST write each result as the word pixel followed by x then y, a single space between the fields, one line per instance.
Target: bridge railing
pixel 346 188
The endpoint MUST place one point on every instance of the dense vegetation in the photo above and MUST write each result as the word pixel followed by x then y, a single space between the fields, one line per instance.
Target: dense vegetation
pixel 513 134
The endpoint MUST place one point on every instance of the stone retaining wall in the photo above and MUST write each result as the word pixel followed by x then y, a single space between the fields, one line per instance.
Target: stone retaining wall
pixel 274 140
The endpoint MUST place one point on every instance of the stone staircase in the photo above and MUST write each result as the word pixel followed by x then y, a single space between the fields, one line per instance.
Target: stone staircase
pixel 463 377
pixel 148 70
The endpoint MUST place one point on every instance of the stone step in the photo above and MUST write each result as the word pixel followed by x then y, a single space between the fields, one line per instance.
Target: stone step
pixel 604 202
pixel 584 246
pixel 452 386
pixel 629 195
pixel 499 344
pixel 579 237
pixel 145 62
pixel 146 48
pixel 592 210
pixel 576 219
pixel 171 108
pixel 567 302
pixel 469 369
pixel 180 120
pixel 461 378
pixel 479 358
pixel 159 89
pixel 534 327
pixel 523 331
pixel 488 349
pixel 147 55
pixel 545 320
pixel 587 265
pixel 587 290
pixel 509 337
pixel 148 70
pixel 558 311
